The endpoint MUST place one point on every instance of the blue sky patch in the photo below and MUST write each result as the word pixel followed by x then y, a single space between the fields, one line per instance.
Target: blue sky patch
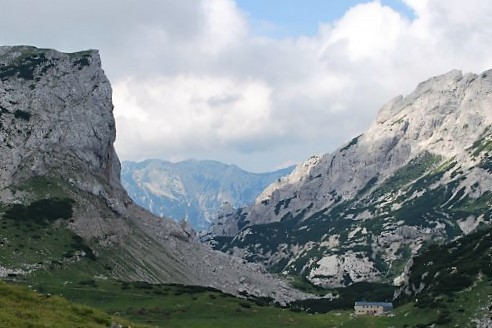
pixel 292 18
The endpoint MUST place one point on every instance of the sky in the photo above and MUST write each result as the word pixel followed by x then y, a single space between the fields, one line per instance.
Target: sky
pixel 258 83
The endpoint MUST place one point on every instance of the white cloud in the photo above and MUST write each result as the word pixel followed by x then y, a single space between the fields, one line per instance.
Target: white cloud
pixel 367 31
pixel 224 25
pixel 190 113
pixel 253 94
pixel 191 79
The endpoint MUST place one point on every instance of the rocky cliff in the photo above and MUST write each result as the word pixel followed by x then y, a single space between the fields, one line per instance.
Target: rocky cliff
pixel 193 190
pixel 55 106
pixel 59 178
pixel 421 172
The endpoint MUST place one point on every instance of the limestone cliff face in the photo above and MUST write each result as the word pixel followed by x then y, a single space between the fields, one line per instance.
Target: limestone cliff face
pixel 56 122
pixel 56 117
pixel 444 116
pixel 405 180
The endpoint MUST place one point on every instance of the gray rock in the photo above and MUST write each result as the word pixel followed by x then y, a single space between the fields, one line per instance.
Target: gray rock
pixel 431 147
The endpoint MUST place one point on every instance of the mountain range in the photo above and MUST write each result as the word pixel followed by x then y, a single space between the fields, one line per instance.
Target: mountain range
pixel 193 190
pixel 421 173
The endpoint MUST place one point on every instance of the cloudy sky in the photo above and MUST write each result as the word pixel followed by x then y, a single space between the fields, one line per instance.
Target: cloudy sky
pixel 257 83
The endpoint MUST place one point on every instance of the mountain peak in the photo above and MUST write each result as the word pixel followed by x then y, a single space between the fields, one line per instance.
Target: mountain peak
pixel 415 174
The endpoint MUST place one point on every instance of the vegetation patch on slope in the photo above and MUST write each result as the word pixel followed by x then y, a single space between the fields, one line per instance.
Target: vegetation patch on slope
pixel 41 211
pixel 449 268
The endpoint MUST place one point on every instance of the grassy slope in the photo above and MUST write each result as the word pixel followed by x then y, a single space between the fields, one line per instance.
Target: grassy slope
pixel 22 307
pixel 181 306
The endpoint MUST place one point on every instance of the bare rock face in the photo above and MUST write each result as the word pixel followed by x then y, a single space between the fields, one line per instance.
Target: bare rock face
pixel 57 119
pixel 56 122
pixel 421 171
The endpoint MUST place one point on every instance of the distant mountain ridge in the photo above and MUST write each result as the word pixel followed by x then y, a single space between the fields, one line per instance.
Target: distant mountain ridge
pixel 193 189
pixel 422 172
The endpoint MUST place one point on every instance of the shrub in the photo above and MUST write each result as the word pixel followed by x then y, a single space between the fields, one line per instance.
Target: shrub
pixel 89 282
pixel 41 211
pixel 22 115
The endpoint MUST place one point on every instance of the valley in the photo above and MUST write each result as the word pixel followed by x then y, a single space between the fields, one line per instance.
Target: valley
pixel 400 213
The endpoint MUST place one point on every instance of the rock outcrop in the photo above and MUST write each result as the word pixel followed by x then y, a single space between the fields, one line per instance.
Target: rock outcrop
pixel 55 106
pixel 422 171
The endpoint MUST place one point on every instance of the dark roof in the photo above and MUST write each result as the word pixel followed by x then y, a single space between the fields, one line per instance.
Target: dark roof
pixel 383 304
